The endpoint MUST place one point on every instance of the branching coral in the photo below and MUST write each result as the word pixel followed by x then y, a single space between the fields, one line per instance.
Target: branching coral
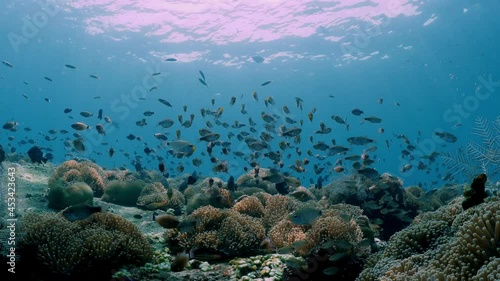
pixel 85 171
pixel 277 208
pixel 221 230
pixel 285 233
pixel 250 206
pixel 54 247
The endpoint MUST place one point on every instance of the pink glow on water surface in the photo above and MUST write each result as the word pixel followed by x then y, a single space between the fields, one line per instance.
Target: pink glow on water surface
pixel 228 21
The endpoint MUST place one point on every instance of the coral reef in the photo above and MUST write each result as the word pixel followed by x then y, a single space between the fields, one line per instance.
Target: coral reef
pixel 123 192
pixel 57 249
pixel 85 171
pixel 430 249
pixel 156 196
pixel 251 206
pixel 222 231
pixel 63 194
pixel 383 200
pixel 278 207
pixel 213 196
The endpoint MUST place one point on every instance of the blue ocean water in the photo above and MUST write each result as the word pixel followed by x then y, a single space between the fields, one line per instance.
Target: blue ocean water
pixel 434 63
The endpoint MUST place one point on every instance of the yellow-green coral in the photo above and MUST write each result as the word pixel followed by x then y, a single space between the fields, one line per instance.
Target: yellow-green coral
pixel 63 194
pixel 56 247
pixel 123 192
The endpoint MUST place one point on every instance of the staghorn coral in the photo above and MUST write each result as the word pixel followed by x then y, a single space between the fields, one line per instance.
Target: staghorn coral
pixel 85 171
pixel 250 206
pixel 58 249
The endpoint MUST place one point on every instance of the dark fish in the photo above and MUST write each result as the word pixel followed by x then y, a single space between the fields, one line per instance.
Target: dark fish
pixel 266 83
pixel 8 64
pixel 192 178
pixel 305 216
pixel 70 66
pixel 319 182
pixel 170 59
pixel 100 114
pixel 111 152
pixel 161 167
pixel 131 137
pixel 47 99
pixel 282 187
pixel 165 102
pixel 202 75
pixel 94 76
pixel 80 212
pixel 369 173
pixel 202 82
pixel 447 137
pixel 47 78
pixel 357 111
pixel 258 59
pixel 231 185
pixel 36 155
pixel 167 221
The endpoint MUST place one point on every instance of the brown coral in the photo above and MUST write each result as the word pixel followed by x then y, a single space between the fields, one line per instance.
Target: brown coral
pixel 155 196
pixel 285 233
pixel 277 208
pixel 250 206
pixel 85 171
pixel 57 248
pixel 221 230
